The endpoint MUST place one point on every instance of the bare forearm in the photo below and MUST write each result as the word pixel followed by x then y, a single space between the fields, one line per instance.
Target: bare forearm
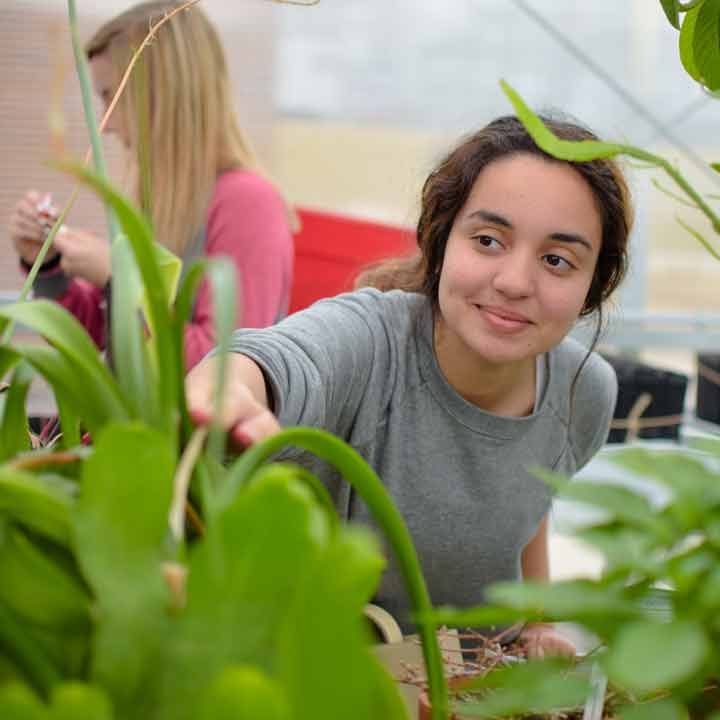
pixel 535 556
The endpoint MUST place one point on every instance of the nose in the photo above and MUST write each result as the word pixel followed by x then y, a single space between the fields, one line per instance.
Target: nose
pixel 515 276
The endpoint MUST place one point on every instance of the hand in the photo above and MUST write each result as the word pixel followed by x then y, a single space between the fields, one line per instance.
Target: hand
pixel 244 413
pixel 28 227
pixel 84 255
pixel 542 640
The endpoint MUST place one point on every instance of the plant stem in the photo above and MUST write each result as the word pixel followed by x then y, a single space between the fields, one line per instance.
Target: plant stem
pixel 685 186
pixel 81 65
pixel 360 475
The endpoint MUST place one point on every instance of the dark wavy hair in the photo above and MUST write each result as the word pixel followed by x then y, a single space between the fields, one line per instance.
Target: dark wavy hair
pixel 448 186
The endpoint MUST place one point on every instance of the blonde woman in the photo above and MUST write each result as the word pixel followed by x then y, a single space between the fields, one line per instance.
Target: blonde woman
pixel 196 178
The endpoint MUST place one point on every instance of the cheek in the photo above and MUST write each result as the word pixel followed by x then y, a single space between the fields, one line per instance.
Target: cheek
pixel 564 304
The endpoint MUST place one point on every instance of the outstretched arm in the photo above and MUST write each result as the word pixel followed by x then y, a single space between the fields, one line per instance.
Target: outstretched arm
pixel 245 410
pixel 541 639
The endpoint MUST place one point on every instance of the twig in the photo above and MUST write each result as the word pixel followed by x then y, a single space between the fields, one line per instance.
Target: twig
pixel 182 482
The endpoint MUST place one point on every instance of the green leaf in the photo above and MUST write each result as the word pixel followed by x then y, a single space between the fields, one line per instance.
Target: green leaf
pixel 26 655
pixel 76 701
pixel 243 577
pixel 715 166
pixel 485 616
pixel 39 505
pixel 671 11
pixel 17 702
pixel 147 256
pixel 131 362
pixel 700 238
pixel 14 432
pixel 528 688
pixel 222 282
pixel 37 588
pixel 624 549
pixel 706 44
pixel 369 487
pixel 66 334
pixel 574 600
pixel 648 656
pixel 243 693
pixel 574 151
pixel 666 709
pixel 121 523
pixel 327 610
pixel 695 488
pixel 687 44
pixel 622 503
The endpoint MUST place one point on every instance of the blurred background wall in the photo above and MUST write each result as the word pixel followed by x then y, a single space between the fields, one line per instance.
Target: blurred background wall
pixel 350 102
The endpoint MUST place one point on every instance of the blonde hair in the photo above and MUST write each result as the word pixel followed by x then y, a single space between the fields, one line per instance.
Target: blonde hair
pixel 178 112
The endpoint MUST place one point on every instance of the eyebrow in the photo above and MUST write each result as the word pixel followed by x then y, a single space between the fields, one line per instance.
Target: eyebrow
pixel 495 219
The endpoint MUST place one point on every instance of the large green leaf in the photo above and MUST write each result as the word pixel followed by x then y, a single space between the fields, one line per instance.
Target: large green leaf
pixel 621 502
pixel 131 362
pixel 42 506
pixel 77 701
pixel 665 709
pixel 706 44
pixel 671 10
pixel 573 600
pixel 14 433
pixel 17 702
pixel 687 43
pixel 24 652
pixel 121 524
pixel 243 577
pixel 37 587
pixel 138 233
pixel 66 334
pixel 243 693
pixel 328 610
pixel 369 487
pixel 74 393
pixel 574 151
pixel 695 488
pixel 531 688
pixel 649 656
pixel 183 309
pixel 624 549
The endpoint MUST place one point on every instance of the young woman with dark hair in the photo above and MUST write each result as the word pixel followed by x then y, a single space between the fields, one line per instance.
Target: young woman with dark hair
pixel 455 373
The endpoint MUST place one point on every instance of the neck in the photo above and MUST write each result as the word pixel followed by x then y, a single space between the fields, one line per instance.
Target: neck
pixel 506 389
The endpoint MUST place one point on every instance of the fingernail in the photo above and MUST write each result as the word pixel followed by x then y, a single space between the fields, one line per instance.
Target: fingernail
pixel 242 437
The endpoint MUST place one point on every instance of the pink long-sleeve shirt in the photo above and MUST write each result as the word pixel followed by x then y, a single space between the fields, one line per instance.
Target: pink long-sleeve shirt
pixel 247 222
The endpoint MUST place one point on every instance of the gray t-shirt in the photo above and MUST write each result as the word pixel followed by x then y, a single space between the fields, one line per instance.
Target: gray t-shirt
pixel 362 366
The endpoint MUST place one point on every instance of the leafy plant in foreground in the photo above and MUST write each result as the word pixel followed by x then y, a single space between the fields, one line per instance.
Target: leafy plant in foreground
pixel 105 610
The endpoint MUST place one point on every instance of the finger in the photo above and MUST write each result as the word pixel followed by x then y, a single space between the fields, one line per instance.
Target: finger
pixel 257 428
pixel 22 228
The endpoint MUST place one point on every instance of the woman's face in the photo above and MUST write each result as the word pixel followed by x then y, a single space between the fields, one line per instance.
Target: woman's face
pixel 105 85
pixel 518 263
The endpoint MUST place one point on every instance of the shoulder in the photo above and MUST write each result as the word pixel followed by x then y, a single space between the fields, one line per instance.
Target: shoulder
pixel 588 403
pixel 570 356
pixel 244 187
pixel 393 310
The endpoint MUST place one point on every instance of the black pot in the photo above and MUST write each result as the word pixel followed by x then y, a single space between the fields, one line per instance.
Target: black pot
pixel 650 401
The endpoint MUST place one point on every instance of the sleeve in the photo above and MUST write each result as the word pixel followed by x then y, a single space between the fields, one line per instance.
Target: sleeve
pixel 322 363
pixel 85 301
pixel 247 223
pixel 592 409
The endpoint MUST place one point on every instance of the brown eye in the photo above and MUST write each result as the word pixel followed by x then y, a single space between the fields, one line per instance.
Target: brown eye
pixel 555 261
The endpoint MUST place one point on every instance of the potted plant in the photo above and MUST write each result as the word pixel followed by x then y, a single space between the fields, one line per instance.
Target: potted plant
pixel 655 608
pixel 106 608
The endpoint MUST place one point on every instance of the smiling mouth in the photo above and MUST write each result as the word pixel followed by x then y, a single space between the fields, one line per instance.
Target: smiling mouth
pixel 503 319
